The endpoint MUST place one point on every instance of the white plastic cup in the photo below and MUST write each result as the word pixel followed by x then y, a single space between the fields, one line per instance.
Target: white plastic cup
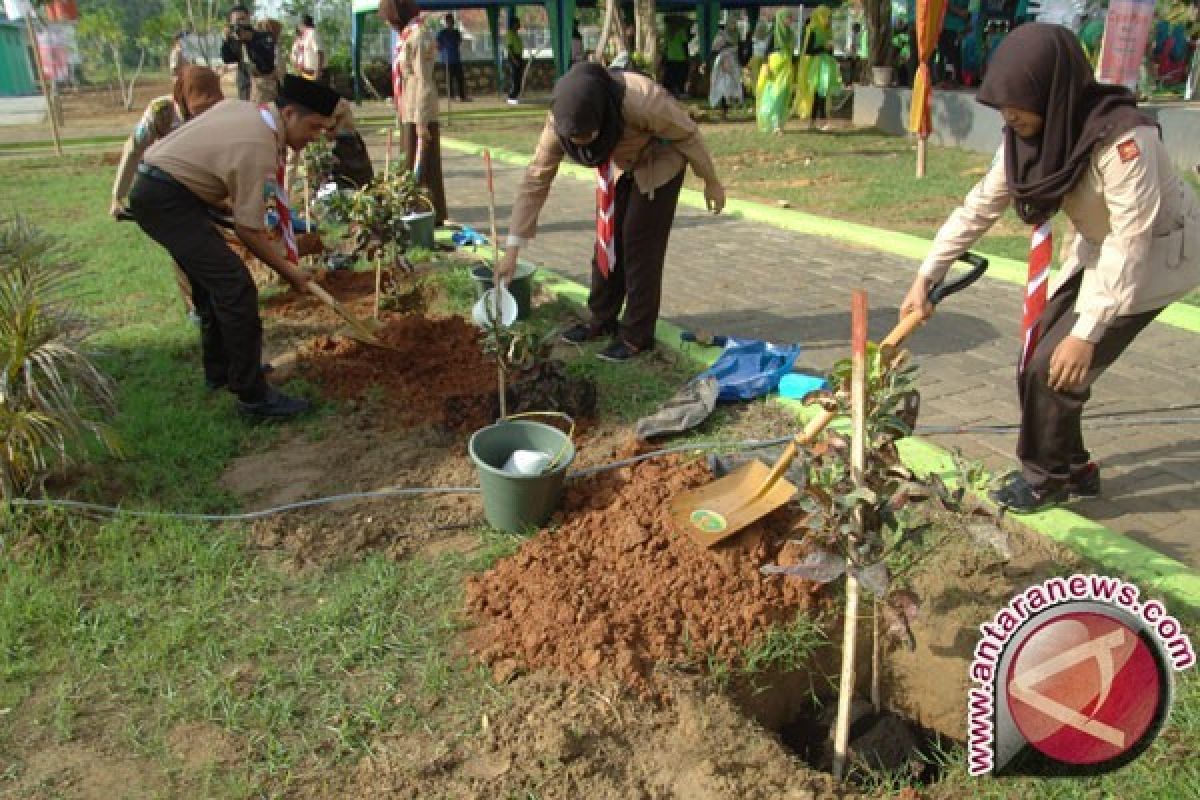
pixel 527 462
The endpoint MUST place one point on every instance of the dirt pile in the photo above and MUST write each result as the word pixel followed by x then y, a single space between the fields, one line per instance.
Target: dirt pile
pixel 427 362
pixel 614 590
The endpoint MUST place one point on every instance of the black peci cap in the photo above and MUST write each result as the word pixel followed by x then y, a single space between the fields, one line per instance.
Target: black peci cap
pixel 310 94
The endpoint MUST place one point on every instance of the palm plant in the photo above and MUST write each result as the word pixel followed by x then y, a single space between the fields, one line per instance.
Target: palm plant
pixel 52 397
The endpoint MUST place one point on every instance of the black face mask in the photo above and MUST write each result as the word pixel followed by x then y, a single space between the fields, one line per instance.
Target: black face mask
pixel 588 100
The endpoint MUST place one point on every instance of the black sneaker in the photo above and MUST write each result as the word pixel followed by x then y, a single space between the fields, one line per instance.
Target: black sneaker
pixel 1018 496
pixel 275 405
pixel 586 332
pixel 1085 481
pixel 620 350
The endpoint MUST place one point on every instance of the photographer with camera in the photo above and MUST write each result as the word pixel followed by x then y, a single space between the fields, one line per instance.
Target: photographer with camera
pixel 252 50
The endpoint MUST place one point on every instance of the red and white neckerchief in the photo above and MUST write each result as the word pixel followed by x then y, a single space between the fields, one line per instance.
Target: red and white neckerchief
pixel 1041 254
pixel 282 209
pixel 606 219
pixel 398 59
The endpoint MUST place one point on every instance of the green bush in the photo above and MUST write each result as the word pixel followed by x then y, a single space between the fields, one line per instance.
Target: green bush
pixel 52 397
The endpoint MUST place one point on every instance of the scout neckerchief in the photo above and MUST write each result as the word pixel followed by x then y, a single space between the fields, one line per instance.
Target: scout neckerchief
pixel 606 204
pixel 282 209
pixel 1041 253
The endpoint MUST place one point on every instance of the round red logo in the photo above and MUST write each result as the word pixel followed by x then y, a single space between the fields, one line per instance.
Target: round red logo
pixel 1084 688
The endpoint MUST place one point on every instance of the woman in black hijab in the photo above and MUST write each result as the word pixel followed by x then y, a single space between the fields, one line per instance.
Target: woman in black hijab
pixel 1071 144
pixel 639 140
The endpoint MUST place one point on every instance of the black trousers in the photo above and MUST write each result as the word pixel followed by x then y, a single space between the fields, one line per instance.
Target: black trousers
pixel 516 73
pixel 458 81
pixel 675 75
pixel 431 165
pixel 951 54
pixel 1051 437
pixel 223 292
pixel 643 227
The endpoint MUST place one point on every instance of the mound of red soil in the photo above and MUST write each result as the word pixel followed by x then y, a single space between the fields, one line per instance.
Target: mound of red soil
pixel 614 590
pixel 427 361
pixel 355 290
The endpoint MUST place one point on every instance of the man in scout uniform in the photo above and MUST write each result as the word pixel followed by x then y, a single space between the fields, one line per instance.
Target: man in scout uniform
pixel 307 58
pixel 232 159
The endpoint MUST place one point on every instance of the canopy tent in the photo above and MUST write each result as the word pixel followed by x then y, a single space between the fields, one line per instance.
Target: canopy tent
pixel 561 17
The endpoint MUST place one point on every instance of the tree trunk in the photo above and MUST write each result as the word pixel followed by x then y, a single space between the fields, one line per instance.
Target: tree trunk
pixel 133 81
pixel 879 31
pixel 610 27
pixel 646 23
pixel 116 56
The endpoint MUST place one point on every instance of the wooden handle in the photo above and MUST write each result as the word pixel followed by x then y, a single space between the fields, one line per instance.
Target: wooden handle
pixel 325 297
pixel 487 166
pixel 910 323
pixel 810 432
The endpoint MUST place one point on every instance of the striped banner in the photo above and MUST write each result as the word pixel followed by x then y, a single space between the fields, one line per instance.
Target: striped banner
pixel 606 205
pixel 1041 255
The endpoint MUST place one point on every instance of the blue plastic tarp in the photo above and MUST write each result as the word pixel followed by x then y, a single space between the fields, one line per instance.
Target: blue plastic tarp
pixel 749 368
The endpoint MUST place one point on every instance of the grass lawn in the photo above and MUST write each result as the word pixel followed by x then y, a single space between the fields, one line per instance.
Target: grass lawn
pixel 121 638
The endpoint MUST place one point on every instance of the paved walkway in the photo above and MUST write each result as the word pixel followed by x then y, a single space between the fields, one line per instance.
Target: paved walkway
pixel 745 278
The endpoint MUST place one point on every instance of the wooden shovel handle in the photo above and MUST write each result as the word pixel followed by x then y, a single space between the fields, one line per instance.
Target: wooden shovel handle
pixel 904 329
pixel 802 439
pixel 319 292
pixel 487 165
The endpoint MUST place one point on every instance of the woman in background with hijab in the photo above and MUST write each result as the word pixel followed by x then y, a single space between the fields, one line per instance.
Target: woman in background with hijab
pixel 1084 148
pixel 415 91
pixel 774 90
pixel 725 85
pixel 639 140
pixel 196 90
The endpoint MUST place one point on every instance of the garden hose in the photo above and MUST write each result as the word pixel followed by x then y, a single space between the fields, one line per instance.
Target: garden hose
pixel 1105 421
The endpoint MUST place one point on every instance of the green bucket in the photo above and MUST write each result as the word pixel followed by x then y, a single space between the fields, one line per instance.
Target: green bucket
pixel 521 285
pixel 420 226
pixel 519 503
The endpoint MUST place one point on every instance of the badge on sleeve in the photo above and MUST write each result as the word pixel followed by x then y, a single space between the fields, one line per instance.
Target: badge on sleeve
pixel 1128 151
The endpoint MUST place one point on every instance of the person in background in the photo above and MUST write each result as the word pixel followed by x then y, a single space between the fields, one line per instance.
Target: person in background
pixel 775 80
pixel 352 163
pixel 725 86
pixel 266 83
pixel 958 13
pixel 818 76
pixel 639 140
pixel 232 158
pixel 239 34
pixel 970 57
pixel 449 42
pixel 308 59
pixel 196 90
pixel 177 59
pixel 514 54
pixel 1071 144
pixel 577 53
pixel 414 87
pixel 675 59
pixel 902 46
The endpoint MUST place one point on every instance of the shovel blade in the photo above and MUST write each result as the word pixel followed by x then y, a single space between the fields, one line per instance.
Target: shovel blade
pixel 713 513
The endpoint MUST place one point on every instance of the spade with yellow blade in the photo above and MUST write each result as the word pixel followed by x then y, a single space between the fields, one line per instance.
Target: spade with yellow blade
pixel 713 513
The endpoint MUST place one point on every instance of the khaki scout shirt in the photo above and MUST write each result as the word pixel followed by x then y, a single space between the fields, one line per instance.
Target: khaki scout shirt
pixel 416 56
pixel 160 118
pixel 1137 226
pixel 659 138
pixel 227 155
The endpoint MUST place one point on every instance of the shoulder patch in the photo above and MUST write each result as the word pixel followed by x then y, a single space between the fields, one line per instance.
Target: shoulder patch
pixel 1128 150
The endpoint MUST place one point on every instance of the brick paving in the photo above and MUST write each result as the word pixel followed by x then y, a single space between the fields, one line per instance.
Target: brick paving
pixel 746 278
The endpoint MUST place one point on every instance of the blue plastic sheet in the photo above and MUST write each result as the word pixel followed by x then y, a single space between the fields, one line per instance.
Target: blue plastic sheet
pixel 468 237
pixel 749 368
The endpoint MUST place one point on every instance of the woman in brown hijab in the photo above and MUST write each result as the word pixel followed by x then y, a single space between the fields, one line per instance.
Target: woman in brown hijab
pixel 1071 144
pixel 414 89
pixel 196 90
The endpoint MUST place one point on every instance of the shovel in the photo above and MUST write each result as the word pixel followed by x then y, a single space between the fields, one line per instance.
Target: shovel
pixel 713 513
pixel 360 329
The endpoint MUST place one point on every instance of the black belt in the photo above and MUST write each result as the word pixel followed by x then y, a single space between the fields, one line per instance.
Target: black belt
pixel 154 173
